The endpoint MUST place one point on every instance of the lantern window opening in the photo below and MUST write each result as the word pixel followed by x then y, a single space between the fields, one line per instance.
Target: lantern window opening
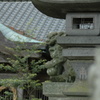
pixel 83 23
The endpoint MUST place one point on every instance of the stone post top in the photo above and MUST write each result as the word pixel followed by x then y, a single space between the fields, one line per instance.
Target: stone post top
pixel 69 1
pixel 59 8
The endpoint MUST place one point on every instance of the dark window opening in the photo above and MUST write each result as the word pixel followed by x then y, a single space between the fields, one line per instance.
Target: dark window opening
pixel 83 23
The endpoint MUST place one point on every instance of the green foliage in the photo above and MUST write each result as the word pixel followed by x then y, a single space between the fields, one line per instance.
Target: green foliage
pixel 26 69
pixel 7 95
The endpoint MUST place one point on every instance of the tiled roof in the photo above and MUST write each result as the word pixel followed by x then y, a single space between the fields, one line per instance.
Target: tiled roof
pixel 15 36
pixel 25 17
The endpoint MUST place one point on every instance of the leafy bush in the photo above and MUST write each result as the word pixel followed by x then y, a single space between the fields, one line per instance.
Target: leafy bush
pixel 26 70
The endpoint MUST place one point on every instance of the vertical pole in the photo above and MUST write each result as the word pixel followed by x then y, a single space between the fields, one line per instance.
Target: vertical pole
pixel 94 76
pixel 20 93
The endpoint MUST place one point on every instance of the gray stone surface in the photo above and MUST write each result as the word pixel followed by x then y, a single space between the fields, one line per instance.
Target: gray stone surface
pixel 78 53
pixel 55 91
pixel 55 88
pixel 94 76
pixel 68 98
pixel 20 93
pixel 79 41
pixel 69 24
pixel 84 94
pixel 81 68
pixel 55 65
pixel 59 8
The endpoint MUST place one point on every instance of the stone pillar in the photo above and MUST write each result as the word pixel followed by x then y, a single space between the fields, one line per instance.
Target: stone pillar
pixel 20 93
pixel 57 91
pixel 78 45
pixel 94 77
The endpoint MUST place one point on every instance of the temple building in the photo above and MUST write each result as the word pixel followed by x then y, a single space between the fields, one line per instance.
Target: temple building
pixel 22 22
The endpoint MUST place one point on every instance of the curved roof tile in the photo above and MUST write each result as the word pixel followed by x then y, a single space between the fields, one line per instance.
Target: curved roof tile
pixel 14 36
pixel 25 17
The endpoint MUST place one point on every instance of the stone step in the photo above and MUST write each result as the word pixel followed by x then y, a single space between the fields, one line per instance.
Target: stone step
pixel 69 98
pixel 78 53
pixel 66 41
pixel 55 89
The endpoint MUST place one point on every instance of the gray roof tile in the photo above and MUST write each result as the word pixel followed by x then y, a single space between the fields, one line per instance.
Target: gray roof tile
pixel 24 16
pixel 14 36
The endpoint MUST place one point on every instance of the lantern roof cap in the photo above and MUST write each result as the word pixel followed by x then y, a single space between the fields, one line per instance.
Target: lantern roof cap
pixel 59 8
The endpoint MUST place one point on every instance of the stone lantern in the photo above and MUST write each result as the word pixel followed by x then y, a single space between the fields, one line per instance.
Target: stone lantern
pixel 82 36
